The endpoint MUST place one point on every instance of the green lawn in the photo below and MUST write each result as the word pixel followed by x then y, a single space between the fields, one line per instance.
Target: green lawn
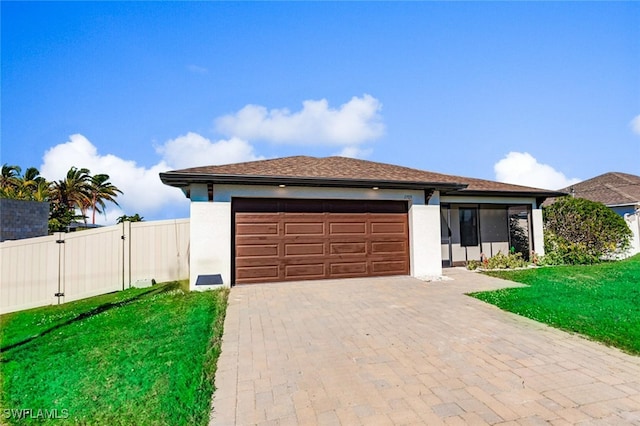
pixel 601 301
pixel 140 356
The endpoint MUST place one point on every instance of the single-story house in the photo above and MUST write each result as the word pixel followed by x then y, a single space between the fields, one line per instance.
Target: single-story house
pixel 299 218
pixel 618 191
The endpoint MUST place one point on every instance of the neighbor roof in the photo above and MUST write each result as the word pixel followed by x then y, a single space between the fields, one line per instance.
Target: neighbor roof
pixel 341 171
pixel 611 189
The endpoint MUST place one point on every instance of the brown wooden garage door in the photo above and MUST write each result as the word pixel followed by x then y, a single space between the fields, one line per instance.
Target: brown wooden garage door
pixel 280 240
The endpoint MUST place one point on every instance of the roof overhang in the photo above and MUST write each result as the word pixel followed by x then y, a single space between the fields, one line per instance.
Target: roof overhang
pixel 629 204
pixel 540 194
pixel 183 180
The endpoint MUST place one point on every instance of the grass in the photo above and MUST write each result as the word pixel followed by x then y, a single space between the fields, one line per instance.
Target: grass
pixel 140 356
pixel 600 301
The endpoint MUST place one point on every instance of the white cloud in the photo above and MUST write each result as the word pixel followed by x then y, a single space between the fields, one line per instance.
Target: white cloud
pixel 354 152
pixel 635 124
pixel 143 192
pixel 348 126
pixel 193 149
pixel 355 122
pixel 521 168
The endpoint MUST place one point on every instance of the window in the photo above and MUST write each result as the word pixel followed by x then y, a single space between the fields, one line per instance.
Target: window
pixel 468 227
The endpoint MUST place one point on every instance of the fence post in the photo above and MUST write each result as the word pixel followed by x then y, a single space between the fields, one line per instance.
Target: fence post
pixel 126 254
pixel 60 237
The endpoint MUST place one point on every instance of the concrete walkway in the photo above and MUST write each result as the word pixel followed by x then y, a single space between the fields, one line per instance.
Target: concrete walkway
pixel 402 351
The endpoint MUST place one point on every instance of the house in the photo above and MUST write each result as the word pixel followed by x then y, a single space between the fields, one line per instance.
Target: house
pixel 299 218
pixel 618 191
pixel 21 219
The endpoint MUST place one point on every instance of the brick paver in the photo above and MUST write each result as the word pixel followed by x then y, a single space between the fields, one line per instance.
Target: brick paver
pixel 403 351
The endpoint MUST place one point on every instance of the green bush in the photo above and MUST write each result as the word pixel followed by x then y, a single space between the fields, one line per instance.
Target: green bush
pixel 472 265
pixel 506 261
pixel 579 231
pixel 499 261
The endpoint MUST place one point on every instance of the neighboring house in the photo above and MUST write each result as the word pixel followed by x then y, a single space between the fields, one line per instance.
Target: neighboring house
pixel 21 219
pixel 298 218
pixel 618 191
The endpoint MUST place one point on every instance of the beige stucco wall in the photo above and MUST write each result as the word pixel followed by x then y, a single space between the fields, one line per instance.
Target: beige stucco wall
pixel 424 235
pixel 210 250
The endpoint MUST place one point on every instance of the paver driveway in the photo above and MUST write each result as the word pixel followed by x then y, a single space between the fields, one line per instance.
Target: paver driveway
pixel 403 351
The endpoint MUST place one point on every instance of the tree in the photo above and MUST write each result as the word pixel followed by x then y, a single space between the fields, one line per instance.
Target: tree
pixel 9 177
pixel 68 194
pixel 42 190
pixel 135 218
pixel 73 191
pixel 101 190
pixel 77 191
pixel 61 216
pixel 30 186
pixel 582 231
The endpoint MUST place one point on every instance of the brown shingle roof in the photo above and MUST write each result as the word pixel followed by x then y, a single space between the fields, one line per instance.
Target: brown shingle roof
pixel 342 169
pixel 611 188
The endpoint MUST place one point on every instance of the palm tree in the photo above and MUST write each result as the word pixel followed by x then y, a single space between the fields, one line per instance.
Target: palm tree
pixel 135 218
pixel 9 176
pixel 30 178
pixel 32 186
pixel 101 190
pixel 42 190
pixel 73 191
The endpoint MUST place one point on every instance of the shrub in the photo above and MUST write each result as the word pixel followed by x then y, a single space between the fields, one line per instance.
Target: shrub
pixel 499 261
pixel 580 231
pixel 506 261
pixel 472 265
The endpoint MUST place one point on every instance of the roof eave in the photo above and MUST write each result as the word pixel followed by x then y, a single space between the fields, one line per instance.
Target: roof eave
pixel 629 204
pixel 181 180
pixel 533 193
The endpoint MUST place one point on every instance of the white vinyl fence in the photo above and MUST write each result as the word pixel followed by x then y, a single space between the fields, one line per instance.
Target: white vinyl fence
pixel 69 266
pixel 633 220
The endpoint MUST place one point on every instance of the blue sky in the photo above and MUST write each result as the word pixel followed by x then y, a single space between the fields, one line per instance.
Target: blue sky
pixel 537 93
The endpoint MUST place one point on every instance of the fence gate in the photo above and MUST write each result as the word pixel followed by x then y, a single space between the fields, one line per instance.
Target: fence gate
pixel 69 266
pixel 92 264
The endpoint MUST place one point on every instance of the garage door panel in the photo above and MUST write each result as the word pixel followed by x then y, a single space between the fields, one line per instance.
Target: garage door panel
pixel 253 229
pixel 301 228
pixel 252 262
pixel 386 267
pixel 348 248
pixel 258 217
pixel 393 228
pixel 257 250
pixel 349 269
pixel 259 272
pixel 389 247
pixel 304 271
pixel 354 228
pixel 304 249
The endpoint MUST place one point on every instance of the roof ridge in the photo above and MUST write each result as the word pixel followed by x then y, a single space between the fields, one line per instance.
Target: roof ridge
pixel 619 191
pixel 446 175
pixel 625 177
